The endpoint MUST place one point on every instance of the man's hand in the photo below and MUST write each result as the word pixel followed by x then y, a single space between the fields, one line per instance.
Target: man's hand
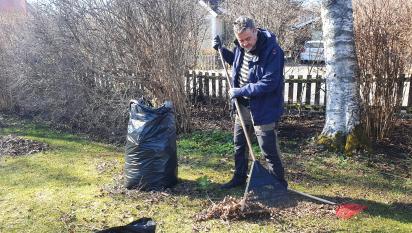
pixel 234 92
pixel 217 44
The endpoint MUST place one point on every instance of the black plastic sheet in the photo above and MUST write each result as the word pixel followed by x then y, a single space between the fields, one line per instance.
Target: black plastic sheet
pixel 143 225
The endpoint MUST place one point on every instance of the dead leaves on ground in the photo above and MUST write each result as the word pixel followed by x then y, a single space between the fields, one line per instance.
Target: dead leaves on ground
pixel 15 146
pixel 230 209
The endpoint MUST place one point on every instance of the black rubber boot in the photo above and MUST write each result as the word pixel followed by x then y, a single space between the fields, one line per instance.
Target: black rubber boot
pixel 234 182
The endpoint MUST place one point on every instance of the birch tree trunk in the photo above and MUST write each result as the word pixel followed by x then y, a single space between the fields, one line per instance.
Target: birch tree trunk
pixel 342 129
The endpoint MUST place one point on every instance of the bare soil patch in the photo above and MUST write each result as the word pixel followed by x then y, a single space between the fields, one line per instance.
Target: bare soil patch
pixel 210 117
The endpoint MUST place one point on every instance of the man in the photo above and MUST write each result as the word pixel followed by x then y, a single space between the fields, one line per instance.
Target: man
pixel 257 71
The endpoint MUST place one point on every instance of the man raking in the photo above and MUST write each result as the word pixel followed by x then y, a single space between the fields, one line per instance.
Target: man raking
pixel 257 73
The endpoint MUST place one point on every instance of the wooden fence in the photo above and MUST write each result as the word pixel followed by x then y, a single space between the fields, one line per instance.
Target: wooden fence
pixel 299 90
pixel 209 62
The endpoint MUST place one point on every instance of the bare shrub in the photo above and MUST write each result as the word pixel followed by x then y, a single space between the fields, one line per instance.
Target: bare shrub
pixel 382 31
pixel 154 42
pixel 10 23
pixel 80 62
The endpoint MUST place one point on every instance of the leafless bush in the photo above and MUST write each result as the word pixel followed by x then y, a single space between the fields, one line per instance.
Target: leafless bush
pixel 9 25
pixel 80 62
pixel 152 41
pixel 382 30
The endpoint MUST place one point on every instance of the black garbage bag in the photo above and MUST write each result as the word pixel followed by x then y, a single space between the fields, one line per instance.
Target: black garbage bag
pixel 143 225
pixel 151 160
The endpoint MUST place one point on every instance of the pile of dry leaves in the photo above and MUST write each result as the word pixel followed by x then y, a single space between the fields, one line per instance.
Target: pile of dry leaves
pixel 230 209
pixel 13 145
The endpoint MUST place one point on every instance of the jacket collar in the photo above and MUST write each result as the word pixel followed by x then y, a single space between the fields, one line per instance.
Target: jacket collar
pixel 260 43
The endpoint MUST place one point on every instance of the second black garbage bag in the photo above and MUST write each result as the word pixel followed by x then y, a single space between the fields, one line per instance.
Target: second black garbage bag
pixel 151 159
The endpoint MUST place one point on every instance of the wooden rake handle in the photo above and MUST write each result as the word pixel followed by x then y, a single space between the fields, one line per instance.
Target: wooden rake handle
pixel 242 122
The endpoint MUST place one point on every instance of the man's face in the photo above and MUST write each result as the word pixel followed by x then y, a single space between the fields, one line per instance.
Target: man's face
pixel 247 39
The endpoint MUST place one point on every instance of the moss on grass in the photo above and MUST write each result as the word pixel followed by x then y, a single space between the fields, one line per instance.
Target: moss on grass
pixel 357 140
pixel 334 142
pixel 346 143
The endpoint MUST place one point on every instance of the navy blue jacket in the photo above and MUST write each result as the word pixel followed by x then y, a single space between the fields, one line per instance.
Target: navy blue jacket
pixel 266 81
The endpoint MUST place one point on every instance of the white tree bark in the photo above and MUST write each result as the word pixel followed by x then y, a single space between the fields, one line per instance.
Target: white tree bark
pixel 342 100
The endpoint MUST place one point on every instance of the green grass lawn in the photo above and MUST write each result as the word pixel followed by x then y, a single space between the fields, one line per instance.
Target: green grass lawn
pixel 75 186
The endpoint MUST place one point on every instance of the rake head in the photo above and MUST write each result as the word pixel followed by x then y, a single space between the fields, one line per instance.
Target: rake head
pixel 263 186
pixel 348 210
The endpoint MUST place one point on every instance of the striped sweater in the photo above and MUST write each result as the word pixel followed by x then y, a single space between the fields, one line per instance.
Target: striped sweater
pixel 244 70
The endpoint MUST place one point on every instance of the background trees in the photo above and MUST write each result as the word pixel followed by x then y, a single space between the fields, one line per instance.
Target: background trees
pixel 277 16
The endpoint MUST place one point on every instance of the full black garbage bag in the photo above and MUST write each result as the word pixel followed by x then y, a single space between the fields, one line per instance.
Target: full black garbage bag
pixel 151 160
